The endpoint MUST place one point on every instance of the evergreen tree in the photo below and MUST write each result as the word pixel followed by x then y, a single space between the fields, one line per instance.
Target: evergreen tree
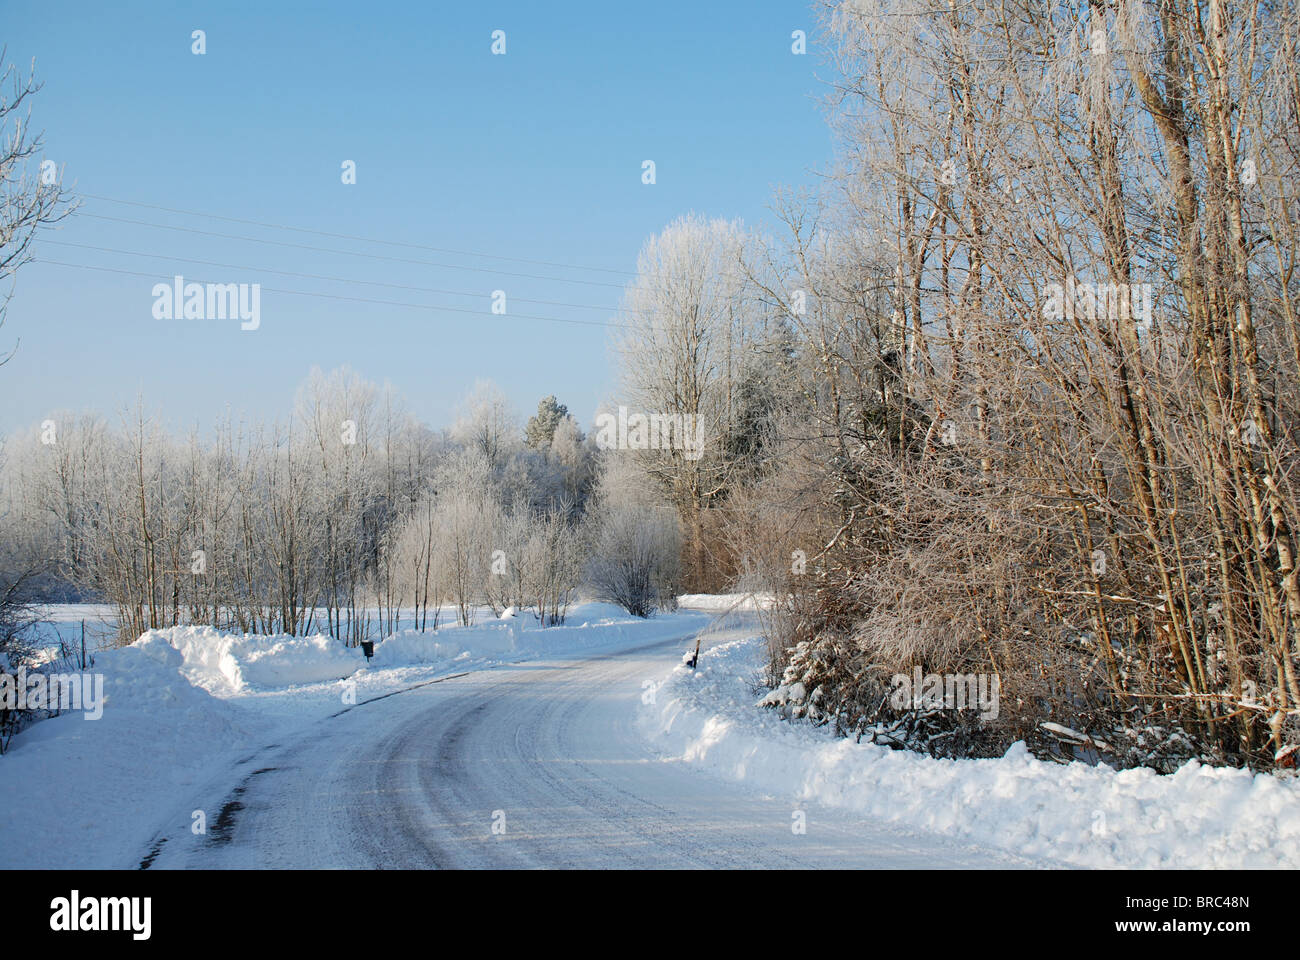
pixel 541 428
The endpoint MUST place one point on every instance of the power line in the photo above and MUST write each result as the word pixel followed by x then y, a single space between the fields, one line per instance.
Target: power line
pixel 331 296
pixel 316 276
pixel 347 236
pixel 347 253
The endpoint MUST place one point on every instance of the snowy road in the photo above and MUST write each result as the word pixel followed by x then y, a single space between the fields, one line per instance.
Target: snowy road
pixel 547 750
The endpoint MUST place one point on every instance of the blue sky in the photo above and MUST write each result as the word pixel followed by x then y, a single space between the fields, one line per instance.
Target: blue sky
pixel 534 155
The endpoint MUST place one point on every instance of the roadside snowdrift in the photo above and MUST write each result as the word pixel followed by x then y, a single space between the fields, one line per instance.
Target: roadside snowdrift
pixel 78 792
pixel 1075 813
pixel 225 664
pixel 230 664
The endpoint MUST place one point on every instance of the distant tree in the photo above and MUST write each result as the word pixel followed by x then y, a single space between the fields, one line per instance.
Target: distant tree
pixel 469 522
pixel 635 542
pixel 541 428
pixel 486 422
pixel 634 560
pixel 575 457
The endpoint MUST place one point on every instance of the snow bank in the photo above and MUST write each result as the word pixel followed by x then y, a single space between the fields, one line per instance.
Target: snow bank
pixel 74 789
pixel 148 676
pixel 225 663
pixel 1086 815
pixel 412 646
pixel 228 664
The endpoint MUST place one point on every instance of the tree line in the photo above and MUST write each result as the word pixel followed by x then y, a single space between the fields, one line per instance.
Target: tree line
pixel 350 517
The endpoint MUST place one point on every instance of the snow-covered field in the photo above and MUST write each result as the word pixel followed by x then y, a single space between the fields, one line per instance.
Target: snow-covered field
pixel 1090 816
pixel 64 621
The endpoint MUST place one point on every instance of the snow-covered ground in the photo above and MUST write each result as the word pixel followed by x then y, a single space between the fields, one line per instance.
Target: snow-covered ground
pixel 64 622
pixel 600 749
pixel 722 602
pixel 1078 814
pixel 184 705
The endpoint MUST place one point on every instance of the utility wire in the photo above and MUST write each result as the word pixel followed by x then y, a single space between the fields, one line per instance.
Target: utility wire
pixel 346 253
pixel 348 236
pixel 331 296
pixel 316 276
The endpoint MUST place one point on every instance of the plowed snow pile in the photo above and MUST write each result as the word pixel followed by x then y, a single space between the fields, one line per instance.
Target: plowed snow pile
pixel 1076 813
pixel 72 781
pixel 226 663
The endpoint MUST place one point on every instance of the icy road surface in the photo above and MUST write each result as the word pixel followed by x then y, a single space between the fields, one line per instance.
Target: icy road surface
pixel 549 753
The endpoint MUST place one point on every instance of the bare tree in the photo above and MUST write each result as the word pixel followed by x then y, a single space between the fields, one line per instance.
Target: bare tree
pixel 28 200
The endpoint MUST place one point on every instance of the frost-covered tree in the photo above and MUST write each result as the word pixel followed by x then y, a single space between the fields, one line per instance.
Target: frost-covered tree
pixel 635 543
pixel 486 422
pixel 417 562
pixel 468 515
pixel 541 427
pixel 690 319
pixel 634 558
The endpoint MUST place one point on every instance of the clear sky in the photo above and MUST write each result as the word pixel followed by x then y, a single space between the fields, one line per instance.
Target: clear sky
pixel 535 155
